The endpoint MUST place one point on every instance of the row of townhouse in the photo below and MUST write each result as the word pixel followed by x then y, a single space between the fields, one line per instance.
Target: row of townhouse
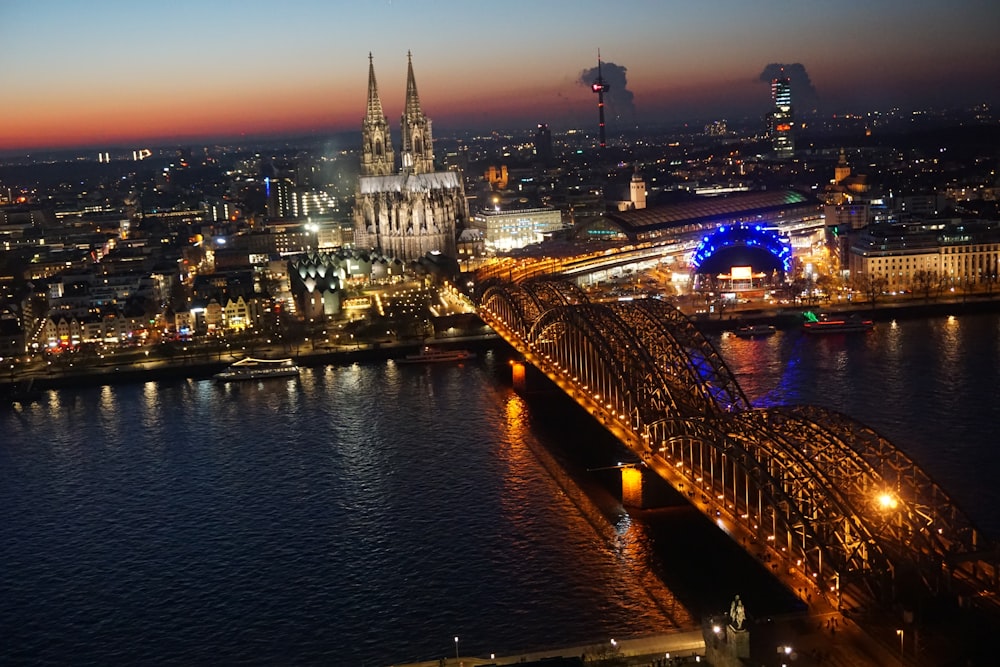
pixel 232 314
pixel 107 329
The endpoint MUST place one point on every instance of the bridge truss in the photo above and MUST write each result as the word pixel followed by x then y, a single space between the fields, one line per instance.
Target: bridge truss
pixel 815 489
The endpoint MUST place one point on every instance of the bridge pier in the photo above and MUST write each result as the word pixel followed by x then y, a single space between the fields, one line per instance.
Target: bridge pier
pixel 632 485
pixel 643 489
pixel 519 376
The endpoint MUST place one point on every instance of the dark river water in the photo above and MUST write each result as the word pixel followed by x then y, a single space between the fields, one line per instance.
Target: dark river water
pixel 368 514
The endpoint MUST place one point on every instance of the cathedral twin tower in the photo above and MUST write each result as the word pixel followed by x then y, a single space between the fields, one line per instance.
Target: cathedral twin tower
pixel 409 210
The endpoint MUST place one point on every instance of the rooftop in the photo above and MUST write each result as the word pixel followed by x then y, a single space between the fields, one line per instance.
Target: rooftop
pixel 709 208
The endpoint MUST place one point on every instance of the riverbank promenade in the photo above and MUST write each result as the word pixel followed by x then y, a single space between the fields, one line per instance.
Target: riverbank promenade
pixel 638 651
pixel 198 361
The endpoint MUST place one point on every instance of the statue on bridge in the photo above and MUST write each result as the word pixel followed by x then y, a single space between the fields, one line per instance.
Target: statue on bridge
pixel 737 615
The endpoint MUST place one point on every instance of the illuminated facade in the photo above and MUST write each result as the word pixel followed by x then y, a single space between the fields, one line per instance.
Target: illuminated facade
pixel 780 120
pixel 938 256
pixel 637 190
pixel 414 210
pixel 506 230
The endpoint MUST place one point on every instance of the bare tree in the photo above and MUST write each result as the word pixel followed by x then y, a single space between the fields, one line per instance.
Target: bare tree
pixel 871 286
pixel 924 281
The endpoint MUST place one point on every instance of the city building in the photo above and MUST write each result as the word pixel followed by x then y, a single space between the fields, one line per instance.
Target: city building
pixel 780 120
pixel 504 230
pixel 846 199
pixel 411 210
pixel 543 145
pixel 927 256
pixel 637 190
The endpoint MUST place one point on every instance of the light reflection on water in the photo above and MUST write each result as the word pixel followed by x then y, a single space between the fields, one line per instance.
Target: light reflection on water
pixel 366 514
pixel 357 515
pixel 930 386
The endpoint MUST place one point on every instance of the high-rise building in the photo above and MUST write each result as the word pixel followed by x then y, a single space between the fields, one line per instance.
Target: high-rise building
pixel 408 211
pixel 781 119
pixel 543 145
pixel 280 197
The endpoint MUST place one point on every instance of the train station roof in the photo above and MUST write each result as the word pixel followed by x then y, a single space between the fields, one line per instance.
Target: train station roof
pixel 740 206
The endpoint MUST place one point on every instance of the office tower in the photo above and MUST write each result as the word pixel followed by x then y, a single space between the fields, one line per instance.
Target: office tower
pixel 781 121
pixel 543 145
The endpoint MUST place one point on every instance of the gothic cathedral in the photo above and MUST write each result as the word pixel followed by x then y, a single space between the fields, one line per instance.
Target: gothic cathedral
pixel 409 211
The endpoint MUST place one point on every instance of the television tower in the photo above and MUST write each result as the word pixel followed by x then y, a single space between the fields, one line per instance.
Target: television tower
pixel 600 87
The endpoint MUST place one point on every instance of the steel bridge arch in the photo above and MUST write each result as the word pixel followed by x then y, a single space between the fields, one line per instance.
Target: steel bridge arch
pixel 593 347
pixel 803 480
pixel 519 306
pixel 670 335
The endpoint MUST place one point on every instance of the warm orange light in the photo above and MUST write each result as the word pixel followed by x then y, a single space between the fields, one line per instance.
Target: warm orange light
pixel 887 501
pixel 632 486
pixel 742 272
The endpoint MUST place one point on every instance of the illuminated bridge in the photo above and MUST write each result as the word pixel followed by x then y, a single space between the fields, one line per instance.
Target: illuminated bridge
pixel 823 495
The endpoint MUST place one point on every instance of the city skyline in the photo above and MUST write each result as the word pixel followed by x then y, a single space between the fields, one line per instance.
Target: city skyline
pixel 109 73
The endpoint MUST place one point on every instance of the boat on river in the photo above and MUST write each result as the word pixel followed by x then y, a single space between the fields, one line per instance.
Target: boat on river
pixel 430 355
pixel 755 331
pixel 22 393
pixel 827 325
pixel 250 368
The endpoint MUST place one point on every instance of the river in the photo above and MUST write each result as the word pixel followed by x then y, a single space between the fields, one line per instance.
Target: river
pixel 370 513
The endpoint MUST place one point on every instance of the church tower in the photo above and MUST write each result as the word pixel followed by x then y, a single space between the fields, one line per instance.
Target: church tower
pixel 637 190
pixel 376 144
pixel 417 151
pixel 842 170
pixel 411 212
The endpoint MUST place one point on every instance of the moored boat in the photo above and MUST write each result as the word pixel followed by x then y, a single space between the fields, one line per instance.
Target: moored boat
pixel 433 355
pixel 755 331
pixel 250 368
pixel 23 392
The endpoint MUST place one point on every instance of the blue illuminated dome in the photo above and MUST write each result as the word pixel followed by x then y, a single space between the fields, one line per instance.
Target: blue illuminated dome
pixel 742 244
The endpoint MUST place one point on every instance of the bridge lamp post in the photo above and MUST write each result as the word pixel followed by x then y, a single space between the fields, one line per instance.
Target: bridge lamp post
pixel 887 501
pixel 456 648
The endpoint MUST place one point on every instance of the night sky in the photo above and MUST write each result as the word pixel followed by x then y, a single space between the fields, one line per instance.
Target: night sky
pixel 110 72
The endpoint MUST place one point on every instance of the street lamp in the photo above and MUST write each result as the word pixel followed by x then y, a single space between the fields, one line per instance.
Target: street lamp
pixel 900 633
pixel 456 649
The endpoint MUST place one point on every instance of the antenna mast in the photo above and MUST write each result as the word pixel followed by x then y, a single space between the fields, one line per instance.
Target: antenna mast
pixel 600 87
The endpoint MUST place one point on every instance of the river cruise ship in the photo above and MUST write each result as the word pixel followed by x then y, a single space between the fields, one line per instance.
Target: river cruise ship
pixel 428 355
pixel 826 325
pixel 250 368
pixel 755 331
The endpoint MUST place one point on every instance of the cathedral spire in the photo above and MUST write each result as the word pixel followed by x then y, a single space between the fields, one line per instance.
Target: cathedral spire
pixel 374 102
pixel 412 99
pixel 376 143
pixel 417 152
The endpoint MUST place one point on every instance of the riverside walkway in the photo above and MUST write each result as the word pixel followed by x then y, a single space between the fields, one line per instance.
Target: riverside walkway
pixel 677 645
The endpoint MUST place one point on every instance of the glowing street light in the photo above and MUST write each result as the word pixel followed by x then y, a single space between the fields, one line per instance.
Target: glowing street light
pixel 456 649
pixel 887 501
